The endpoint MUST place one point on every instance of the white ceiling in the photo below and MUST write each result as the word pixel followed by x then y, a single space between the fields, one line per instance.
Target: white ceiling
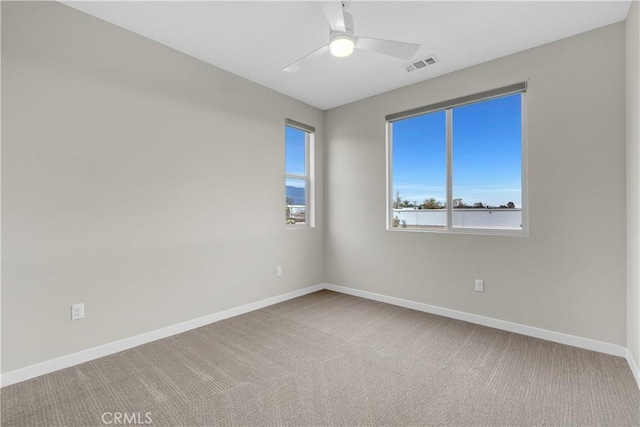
pixel 257 39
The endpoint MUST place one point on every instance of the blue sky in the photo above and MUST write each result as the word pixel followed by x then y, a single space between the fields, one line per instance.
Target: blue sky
pixel 295 161
pixel 486 154
pixel 294 150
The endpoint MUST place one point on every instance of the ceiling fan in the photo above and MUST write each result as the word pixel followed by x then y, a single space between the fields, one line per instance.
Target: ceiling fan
pixel 342 40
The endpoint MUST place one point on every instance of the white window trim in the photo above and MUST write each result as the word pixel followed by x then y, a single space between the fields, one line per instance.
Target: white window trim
pixel 309 177
pixel 524 232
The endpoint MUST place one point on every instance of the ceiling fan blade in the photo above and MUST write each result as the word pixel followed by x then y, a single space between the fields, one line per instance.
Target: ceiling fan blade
pixel 401 50
pixel 306 59
pixel 335 15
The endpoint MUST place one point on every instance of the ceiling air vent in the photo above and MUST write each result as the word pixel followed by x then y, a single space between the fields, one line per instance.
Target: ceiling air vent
pixel 420 63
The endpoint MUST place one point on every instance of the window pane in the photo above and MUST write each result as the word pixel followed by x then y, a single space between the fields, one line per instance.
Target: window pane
pixel 296 201
pixel 419 172
pixel 294 150
pixel 486 164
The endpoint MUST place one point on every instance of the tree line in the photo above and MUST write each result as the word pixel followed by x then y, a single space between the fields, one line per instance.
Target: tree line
pixel 431 203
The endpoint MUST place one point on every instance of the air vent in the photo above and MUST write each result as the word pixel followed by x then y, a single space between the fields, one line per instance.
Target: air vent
pixel 420 63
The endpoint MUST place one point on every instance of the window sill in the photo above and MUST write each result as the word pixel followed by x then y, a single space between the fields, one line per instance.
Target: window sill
pixel 298 227
pixel 508 232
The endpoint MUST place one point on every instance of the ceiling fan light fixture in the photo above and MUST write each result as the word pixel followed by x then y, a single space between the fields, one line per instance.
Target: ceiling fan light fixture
pixel 341 45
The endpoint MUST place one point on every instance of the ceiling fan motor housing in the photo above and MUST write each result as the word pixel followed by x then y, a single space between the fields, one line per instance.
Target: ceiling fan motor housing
pixel 341 35
pixel 348 22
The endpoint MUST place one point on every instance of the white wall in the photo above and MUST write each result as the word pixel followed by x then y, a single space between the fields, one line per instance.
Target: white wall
pixel 633 180
pixel 569 275
pixel 121 158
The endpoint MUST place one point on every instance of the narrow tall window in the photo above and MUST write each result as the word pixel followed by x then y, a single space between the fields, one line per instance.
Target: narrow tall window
pixel 298 174
pixel 458 165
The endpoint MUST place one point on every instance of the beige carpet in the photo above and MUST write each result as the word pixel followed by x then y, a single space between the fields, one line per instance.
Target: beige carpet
pixel 333 359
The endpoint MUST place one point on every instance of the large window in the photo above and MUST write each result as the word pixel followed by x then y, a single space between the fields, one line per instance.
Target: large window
pixel 458 166
pixel 298 142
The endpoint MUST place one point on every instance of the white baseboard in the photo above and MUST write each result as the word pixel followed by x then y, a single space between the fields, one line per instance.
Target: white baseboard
pixel 67 361
pixel 633 366
pixel 559 337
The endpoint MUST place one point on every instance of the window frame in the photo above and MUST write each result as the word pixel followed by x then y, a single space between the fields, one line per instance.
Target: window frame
pixel 308 177
pixel 448 106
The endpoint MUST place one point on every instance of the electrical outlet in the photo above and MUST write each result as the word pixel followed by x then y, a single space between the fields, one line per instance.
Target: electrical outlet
pixel 77 311
pixel 279 270
pixel 479 285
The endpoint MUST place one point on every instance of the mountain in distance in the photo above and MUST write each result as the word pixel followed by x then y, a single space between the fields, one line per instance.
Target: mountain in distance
pixel 296 193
